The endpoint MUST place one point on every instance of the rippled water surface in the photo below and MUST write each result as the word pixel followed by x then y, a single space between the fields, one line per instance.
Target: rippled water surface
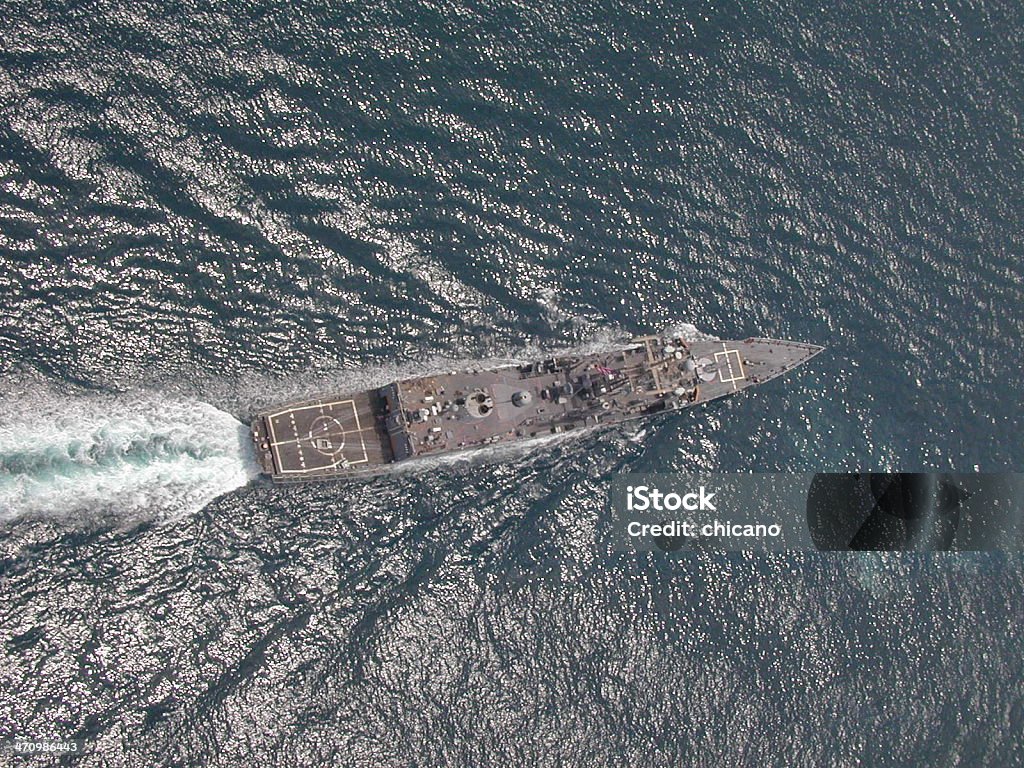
pixel 206 209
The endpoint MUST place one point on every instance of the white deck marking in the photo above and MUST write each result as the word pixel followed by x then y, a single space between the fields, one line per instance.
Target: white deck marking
pixel 297 441
pixel 727 355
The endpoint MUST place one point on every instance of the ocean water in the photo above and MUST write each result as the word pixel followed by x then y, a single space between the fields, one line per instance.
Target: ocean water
pixel 205 210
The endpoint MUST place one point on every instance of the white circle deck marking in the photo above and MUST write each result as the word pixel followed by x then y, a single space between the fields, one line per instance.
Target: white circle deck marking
pixel 327 435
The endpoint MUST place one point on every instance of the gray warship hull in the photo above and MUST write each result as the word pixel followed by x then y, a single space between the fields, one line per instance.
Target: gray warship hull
pixel 366 432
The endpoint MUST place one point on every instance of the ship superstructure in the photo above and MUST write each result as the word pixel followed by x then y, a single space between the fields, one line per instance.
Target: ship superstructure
pixel 364 432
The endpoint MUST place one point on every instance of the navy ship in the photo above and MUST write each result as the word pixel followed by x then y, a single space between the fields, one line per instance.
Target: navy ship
pixel 365 432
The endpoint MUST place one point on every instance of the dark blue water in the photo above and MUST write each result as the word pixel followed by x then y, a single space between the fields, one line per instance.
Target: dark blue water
pixel 206 210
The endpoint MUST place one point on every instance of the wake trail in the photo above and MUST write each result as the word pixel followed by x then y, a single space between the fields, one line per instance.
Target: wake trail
pixel 128 455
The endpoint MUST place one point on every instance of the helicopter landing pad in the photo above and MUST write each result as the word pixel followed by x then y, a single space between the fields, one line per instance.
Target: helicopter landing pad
pixel 322 436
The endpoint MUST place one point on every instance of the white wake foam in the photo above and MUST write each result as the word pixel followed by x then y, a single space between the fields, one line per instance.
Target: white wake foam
pixel 688 332
pixel 133 455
